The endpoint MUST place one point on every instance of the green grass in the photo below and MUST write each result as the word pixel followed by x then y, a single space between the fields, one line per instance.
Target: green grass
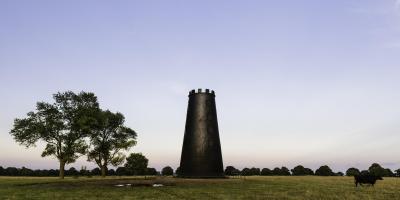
pixel 274 187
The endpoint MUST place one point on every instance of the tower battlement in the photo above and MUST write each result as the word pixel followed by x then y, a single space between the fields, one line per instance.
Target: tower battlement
pixel 201 91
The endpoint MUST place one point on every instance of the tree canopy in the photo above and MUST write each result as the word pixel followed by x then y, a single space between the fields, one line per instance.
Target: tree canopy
pixel 108 139
pixel 299 170
pixel 62 125
pixel 167 171
pixel 136 164
pixel 352 171
pixel 324 171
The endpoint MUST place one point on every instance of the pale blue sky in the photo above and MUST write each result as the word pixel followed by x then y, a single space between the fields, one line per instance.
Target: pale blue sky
pixel 298 82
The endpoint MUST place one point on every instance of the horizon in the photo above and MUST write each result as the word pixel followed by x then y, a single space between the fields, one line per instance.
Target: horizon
pixel 302 83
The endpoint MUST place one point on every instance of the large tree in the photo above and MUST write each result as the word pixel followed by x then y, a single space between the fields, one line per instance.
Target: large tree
pixel 324 171
pixel 377 170
pixel 108 140
pixel 352 171
pixel 167 171
pixel 62 125
pixel 136 164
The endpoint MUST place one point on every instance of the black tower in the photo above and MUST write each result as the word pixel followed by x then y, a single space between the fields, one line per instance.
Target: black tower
pixel 201 151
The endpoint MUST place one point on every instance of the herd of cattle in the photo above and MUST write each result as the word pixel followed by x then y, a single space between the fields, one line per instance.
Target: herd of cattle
pixel 366 179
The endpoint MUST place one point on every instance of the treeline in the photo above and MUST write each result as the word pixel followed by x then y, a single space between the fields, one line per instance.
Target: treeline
pixel 120 171
pixel 137 166
pixel 374 169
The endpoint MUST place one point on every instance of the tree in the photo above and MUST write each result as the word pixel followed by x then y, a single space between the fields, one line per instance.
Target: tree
pixel 111 172
pixel 136 164
pixel 255 171
pixel 339 174
pixel 153 172
pixel 72 172
pixel 62 125
pixel 245 172
pixel 178 171
pixel 25 172
pixel 1 171
pixel 266 172
pixel 388 173
pixel 397 172
pixel 167 171
pixel 309 171
pixel 84 171
pixel 352 171
pixel 299 171
pixel 108 140
pixel 285 171
pixel 121 171
pixel 276 171
pixel 324 171
pixel 231 171
pixel 376 170
pixel 11 171
pixel 96 171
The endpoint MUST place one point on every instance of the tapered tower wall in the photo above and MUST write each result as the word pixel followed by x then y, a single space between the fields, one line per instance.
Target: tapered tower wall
pixel 201 151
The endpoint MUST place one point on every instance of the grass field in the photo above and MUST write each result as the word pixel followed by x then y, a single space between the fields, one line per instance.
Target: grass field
pixel 273 187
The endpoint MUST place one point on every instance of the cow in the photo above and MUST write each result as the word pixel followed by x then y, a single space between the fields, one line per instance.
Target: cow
pixel 366 178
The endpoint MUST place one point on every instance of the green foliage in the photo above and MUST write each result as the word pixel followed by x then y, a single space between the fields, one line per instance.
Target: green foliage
pixel 397 172
pixel 151 171
pixel 62 125
pixel 339 174
pixel 283 171
pixel 245 172
pixel 178 171
pixel 109 138
pixel 266 172
pixel 388 173
pixel 121 171
pixel 255 171
pixel 299 170
pixel 136 164
pixel 167 171
pixel 231 171
pixel 324 171
pixel 377 170
pixel 352 171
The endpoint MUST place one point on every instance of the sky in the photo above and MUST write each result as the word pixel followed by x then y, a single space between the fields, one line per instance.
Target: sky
pixel 306 82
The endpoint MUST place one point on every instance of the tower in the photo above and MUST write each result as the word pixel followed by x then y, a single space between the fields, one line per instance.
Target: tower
pixel 201 151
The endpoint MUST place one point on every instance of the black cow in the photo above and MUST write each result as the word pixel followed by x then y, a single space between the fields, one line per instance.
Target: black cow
pixel 366 178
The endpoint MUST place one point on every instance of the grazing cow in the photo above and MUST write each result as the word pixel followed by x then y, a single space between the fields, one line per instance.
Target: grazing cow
pixel 366 178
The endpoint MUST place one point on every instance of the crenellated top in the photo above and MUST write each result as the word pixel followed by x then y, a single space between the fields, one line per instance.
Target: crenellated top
pixel 200 91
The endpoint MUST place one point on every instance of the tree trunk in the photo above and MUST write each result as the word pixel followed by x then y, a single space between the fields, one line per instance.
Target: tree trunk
pixel 62 166
pixel 103 171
